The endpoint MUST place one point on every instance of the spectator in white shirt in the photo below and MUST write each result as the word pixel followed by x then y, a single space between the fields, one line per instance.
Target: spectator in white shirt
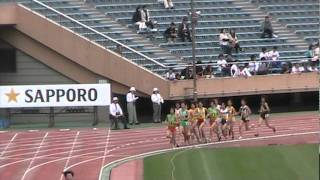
pixel 116 114
pixel 274 56
pixel 222 65
pixel 234 70
pixel 157 100
pixel 264 54
pixel 253 65
pixel 244 71
pixel 224 41
pixel 171 75
pixel 168 4
pixel 316 54
pixel 131 106
pixel 295 69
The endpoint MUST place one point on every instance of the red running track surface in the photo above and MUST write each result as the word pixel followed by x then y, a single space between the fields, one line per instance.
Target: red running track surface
pixel 45 154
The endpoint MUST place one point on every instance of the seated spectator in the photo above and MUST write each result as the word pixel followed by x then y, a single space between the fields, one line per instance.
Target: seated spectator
pixel 118 49
pixel 222 65
pixel 266 28
pixel 208 71
pixel 296 69
pixel 224 41
pixel 309 53
pixel 285 69
pixel 274 56
pixel 183 30
pixel 171 33
pixel 147 18
pixel 199 69
pixel 234 41
pixel 244 71
pixel 234 70
pixel 137 19
pixel 171 75
pixel 263 67
pixel 168 4
pixel 187 73
pixel 253 65
pixel 316 54
pixel 230 59
pixel 68 175
pixel 264 54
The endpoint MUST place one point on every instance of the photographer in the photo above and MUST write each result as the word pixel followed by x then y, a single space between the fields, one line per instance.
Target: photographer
pixel 116 114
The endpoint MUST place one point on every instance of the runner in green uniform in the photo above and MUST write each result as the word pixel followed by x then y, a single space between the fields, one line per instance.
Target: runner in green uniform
pixel 171 121
pixel 183 117
pixel 213 114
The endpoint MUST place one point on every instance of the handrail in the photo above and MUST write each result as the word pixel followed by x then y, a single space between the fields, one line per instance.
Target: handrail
pixel 97 32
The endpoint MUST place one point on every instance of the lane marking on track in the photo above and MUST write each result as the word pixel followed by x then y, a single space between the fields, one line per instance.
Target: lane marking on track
pixel 70 152
pixel 35 155
pixel 3 131
pixel 33 130
pixel 65 130
pixel 120 161
pixel 172 162
pixel 106 147
pixel 11 140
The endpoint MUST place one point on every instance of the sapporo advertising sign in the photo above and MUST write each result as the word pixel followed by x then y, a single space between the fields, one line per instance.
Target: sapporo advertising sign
pixel 55 95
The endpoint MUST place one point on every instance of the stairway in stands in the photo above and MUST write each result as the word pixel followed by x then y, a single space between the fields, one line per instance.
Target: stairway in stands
pixel 215 14
pixel 91 17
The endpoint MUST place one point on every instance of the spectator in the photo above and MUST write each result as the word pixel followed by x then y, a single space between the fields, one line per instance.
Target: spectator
pixel 263 67
pixel 116 114
pixel 253 65
pixel 199 69
pixel 224 41
pixel 171 75
pixel 146 17
pixel 266 28
pixel 230 59
pixel 68 175
pixel 234 41
pixel 187 73
pixel 118 49
pixel 244 71
pixel 208 71
pixel 137 19
pixel 131 106
pixel 274 56
pixel 316 54
pixel 183 30
pixel 295 68
pixel 222 65
pixel 264 54
pixel 309 53
pixel 171 33
pixel 168 4
pixel 234 70
pixel 157 100
pixel 285 69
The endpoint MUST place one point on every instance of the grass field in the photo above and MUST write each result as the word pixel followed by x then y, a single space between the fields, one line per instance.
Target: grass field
pixel 285 162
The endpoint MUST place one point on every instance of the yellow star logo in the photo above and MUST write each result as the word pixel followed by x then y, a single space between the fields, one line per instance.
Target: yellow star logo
pixel 12 96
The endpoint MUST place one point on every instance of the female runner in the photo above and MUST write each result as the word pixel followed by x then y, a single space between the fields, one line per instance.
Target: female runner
pixel 183 118
pixel 212 116
pixel 171 121
pixel 264 115
pixel 223 121
pixel 231 118
pixel 201 111
pixel 245 112
pixel 193 116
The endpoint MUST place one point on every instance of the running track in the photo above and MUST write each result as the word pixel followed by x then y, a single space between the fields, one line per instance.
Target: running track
pixel 45 154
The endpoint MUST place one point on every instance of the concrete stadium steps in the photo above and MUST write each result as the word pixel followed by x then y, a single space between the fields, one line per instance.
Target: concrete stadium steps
pixel 242 16
pixel 298 16
pixel 93 18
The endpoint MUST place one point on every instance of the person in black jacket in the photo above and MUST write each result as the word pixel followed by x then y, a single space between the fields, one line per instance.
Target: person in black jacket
pixel 171 33
pixel 183 30
pixel 137 19
pixel 148 22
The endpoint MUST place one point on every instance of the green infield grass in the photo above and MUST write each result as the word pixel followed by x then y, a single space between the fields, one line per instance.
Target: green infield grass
pixel 279 162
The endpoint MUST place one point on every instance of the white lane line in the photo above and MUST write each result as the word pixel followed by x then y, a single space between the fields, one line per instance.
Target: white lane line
pixel 143 155
pixel 35 155
pixel 172 163
pixel 70 152
pixel 11 140
pixel 106 147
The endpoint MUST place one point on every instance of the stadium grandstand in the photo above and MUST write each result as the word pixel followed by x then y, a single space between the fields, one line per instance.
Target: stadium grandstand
pixel 190 51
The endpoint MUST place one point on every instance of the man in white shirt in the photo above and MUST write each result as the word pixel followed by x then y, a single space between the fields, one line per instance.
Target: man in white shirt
pixel 116 114
pixel 131 106
pixel 274 56
pixel 245 72
pixel 222 65
pixel 157 100
pixel 234 70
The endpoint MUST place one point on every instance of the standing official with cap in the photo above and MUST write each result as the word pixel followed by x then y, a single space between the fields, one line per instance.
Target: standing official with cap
pixel 116 114
pixel 131 106
pixel 157 100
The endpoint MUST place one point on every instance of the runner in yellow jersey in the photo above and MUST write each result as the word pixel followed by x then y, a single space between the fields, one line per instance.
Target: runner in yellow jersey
pixel 231 118
pixel 212 117
pixel 200 122
pixel 193 116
